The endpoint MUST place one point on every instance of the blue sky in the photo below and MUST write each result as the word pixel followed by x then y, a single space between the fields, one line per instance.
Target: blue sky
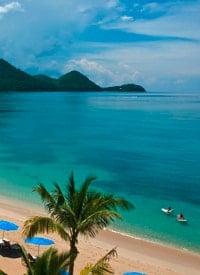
pixel 152 43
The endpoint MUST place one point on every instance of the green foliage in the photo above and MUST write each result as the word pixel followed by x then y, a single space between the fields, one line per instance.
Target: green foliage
pixel 46 83
pixel 13 79
pixel 75 212
pixel 51 262
pixel 126 88
pixel 102 266
pixel 75 81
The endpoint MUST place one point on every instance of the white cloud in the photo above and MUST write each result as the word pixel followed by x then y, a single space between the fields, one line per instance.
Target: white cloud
pixel 85 64
pixel 112 4
pixel 169 26
pixel 181 21
pixel 94 70
pixel 126 18
pixel 45 39
pixel 153 7
pixel 13 6
pixel 151 64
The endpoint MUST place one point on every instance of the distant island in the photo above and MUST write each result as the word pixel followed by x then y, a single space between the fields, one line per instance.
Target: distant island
pixel 13 79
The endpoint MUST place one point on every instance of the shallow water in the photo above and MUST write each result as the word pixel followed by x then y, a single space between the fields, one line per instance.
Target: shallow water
pixel 144 147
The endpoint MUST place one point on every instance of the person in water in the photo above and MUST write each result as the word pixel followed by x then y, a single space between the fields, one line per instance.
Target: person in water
pixel 180 217
pixel 169 209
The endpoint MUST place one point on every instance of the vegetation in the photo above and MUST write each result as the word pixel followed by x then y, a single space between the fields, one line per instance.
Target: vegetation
pixel 102 267
pixel 46 83
pixel 126 87
pixel 75 212
pixel 51 262
pixel 13 79
pixel 75 81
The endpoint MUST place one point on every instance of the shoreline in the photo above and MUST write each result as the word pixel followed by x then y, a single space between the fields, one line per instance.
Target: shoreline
pixel 153 242
pixel 134 254
pixel 38 209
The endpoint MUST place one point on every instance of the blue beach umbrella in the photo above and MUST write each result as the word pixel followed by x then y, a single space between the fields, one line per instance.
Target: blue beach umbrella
pixel 39 241
pixel 63 272
pixel 134 273
pixel 7 226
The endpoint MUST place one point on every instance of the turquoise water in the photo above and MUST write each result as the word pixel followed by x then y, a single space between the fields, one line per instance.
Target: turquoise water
pixel 144 147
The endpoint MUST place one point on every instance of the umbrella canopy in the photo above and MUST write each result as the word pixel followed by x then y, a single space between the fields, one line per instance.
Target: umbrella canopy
pixel 39 241
pixel 7 226
pixel 63 272
pixel 134 273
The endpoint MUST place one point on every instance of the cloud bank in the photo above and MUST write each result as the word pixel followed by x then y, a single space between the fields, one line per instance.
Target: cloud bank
pixel 151 43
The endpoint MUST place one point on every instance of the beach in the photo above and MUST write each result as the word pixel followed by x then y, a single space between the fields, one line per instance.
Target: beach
pixel 133 254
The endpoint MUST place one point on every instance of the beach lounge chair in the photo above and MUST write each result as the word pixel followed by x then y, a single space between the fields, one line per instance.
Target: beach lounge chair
pixel 32 258
pixel 6 245
pixel 1 243
pixel 9 250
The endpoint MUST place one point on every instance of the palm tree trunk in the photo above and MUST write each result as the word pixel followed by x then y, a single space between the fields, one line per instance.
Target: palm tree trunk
pixel 73 255
pixel 71 269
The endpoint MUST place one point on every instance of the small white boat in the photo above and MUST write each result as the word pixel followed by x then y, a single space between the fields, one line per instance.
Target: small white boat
pixel 167 210
pixel 181 220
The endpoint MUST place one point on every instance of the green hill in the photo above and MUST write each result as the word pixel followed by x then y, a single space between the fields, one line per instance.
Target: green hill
pixel 125 88
pixel 13 79
pixel 46 83
pixel 75 81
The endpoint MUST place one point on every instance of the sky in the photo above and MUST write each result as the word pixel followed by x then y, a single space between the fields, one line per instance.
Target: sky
pixel 155 44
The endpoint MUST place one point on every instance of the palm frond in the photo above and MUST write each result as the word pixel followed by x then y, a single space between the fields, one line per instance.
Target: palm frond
pixel 2 272
pixel 58 195
pixel 113 203
pixel 25 257
pixel 46 197
pixel 81 197
pixel 102 266
pixel 51 262
pixel 122 203
pixel 70 188
pixel 97 212
pixel 37 224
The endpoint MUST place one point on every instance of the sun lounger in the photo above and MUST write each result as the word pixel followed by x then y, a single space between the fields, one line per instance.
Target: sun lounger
pixel 7 246
pixel 32 258
pixel 9 250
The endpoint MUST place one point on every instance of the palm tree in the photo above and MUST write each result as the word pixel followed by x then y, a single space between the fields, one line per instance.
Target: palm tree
pixel 49 263
pixel 77 211
pixel 102 266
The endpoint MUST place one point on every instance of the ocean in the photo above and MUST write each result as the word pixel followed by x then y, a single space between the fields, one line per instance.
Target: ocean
pixel 144 147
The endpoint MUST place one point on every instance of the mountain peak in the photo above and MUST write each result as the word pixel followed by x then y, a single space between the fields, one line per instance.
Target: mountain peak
pixel 76 81
pixel 13 79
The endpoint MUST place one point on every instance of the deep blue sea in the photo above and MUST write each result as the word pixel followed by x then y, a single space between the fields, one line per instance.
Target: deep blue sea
pixel 144 147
